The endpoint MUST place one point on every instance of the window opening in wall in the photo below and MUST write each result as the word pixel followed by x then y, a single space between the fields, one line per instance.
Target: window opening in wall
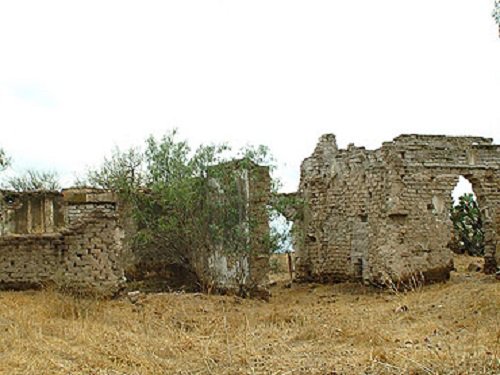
pixel 468 233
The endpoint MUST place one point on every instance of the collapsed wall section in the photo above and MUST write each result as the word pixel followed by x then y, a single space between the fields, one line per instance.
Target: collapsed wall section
pixel 382 216
pixel 70 239
pixel 337 189
pixel 83 239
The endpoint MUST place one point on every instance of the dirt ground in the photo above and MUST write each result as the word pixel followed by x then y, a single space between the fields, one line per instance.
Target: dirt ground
pixel 450 328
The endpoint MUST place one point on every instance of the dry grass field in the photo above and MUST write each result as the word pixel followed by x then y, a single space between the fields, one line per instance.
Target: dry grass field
pixel 451 328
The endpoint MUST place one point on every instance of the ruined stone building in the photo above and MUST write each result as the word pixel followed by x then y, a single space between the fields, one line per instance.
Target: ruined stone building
pixel 81 238
pixel 71 238
pixel 376 216
pixel 383 215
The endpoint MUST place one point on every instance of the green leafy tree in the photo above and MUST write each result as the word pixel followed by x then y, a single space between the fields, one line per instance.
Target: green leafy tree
pixel 184 200
pixel 123 171
pixel 172 218
pixel 468 227
pixel 32 180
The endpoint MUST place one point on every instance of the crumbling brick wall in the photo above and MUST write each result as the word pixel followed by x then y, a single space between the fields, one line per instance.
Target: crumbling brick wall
pixel 383 215
pixel 29 260
pixel 71 239
pixel 92 253
pixel 84 238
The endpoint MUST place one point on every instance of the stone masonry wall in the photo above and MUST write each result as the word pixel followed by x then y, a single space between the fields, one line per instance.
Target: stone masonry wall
pixel 92 253
pixel 383 215
pixel 28 261
pixel 77 245
pixel 83 239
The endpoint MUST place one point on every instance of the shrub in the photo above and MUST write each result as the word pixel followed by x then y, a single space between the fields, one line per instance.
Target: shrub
pixel 468 226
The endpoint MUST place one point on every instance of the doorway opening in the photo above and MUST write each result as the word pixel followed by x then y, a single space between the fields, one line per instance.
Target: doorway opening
pixel 281 261
pixel 465 214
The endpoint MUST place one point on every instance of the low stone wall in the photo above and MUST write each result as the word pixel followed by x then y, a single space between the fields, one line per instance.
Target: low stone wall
pixel 30 260
pixel 80 249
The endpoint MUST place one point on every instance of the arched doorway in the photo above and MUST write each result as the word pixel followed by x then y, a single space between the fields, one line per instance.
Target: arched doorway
pixel 465 214
pixel 485 188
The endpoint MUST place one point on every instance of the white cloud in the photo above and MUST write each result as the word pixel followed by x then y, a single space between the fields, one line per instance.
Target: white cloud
pixel 274 72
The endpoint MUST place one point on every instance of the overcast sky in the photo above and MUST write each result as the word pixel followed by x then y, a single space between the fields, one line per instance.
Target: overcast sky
pixel 77 78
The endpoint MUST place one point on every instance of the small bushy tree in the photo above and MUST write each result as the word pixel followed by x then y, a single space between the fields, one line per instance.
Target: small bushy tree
pixel 468 226
pixel 29 180
pixel 122 171
pixel 171 215
pixel 32 180
pixel 183 200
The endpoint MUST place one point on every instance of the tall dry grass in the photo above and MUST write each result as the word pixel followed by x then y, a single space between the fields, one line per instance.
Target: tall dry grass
pixel 451 328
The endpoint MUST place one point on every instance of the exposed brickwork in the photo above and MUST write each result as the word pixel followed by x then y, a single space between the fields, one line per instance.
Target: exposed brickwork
pixel 81 251
pixel 30 260
pixel 83 238
pixel 383 215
